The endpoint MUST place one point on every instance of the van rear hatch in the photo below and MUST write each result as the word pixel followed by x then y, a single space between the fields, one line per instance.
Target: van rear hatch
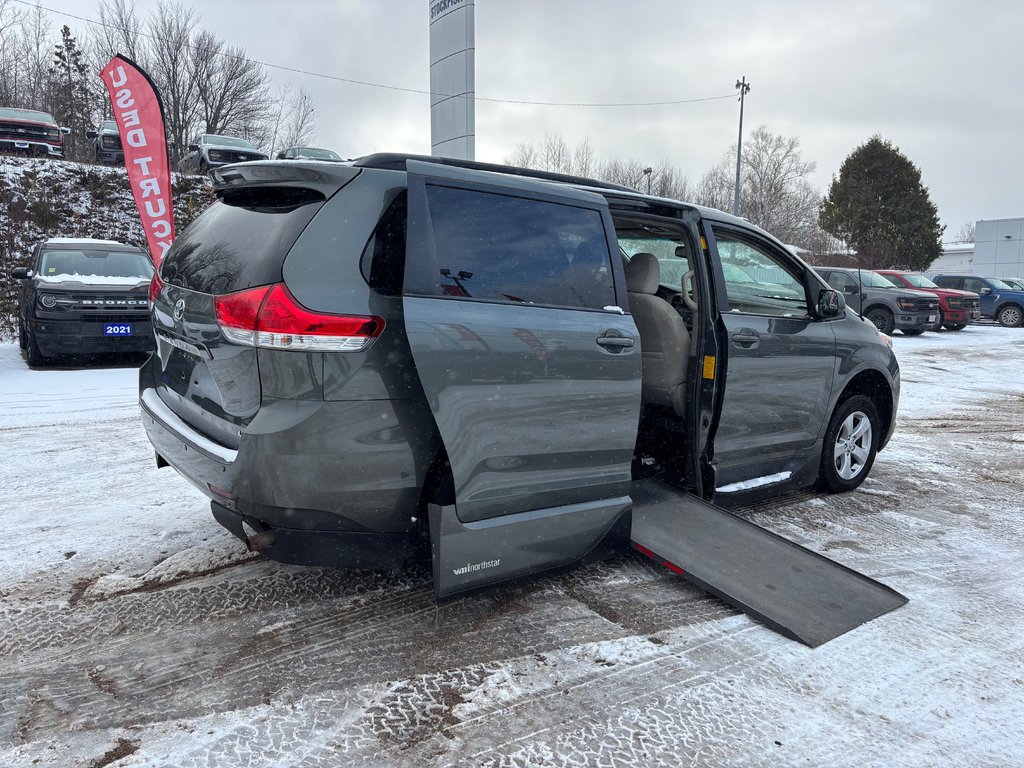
pixel 239 243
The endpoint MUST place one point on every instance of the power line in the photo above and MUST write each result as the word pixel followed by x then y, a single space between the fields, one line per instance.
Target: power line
pixel 370 84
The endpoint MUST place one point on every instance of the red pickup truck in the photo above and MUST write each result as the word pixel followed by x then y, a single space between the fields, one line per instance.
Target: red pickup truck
pixel 31 132
pixel 958 308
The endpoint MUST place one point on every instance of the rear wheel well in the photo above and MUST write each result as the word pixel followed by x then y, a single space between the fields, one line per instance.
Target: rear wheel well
pixel 438 488
pixel 873 385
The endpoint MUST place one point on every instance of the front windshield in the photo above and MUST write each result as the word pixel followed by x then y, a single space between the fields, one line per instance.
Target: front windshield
pixel 999 285
pixel 227 141
pixel 919 281
pixel 71 264
pixel 108 125
pixel 317 154
pixel 26 114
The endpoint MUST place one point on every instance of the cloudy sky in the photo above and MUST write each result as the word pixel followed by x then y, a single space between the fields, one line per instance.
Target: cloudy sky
pixel 940 79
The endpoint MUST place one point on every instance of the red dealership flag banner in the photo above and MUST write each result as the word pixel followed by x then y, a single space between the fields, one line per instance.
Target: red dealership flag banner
pixel 140 121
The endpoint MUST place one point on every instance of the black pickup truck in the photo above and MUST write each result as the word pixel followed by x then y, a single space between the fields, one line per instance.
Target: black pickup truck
pixel 82 296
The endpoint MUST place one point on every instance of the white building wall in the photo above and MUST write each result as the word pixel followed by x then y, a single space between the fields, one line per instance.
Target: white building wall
pixel 955 258
pixel 999 248
pixel 452 79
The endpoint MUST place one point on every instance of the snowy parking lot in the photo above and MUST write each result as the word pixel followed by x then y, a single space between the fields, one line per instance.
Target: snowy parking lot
pixel 137 632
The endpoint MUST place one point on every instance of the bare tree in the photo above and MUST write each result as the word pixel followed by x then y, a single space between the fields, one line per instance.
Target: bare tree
pixel 232 88
pixel 11 20
pixel 36 31
pixel 583 159
pixel 966 233
pixel 170 33
pixel 626 171
pixel 523 156
pixel 775 193
pixel 555 155
pixel 298 124
pixel 119 31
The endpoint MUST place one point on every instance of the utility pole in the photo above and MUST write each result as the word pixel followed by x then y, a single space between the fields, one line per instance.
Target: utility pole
pixel 743 87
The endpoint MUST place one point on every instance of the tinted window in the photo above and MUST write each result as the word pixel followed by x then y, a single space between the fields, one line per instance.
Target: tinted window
pixel 511 249
pixel 383 259
pixel 949 282
pixel 240 242
pixel 973 284
pixel 757 281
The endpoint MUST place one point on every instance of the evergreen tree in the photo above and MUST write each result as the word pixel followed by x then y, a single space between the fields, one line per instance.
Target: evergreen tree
pixel 882 210
pixel 72 94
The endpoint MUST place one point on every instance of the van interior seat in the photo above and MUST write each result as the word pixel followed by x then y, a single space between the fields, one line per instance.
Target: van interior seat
pixel 664 341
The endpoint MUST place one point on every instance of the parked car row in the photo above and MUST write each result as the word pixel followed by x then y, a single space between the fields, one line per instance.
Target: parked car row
pixel 913 303
pixel 36 133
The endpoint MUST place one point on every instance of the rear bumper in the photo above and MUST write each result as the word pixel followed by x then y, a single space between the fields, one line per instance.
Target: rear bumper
pixel 332 471
pixel 340 549
pixel 72 337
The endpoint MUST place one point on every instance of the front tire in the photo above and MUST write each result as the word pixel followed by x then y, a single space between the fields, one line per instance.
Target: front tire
pixel 33 355
pixel 882 319
pixel 913 331
pixel 851 443
pixel 955 326
pixel 1010 316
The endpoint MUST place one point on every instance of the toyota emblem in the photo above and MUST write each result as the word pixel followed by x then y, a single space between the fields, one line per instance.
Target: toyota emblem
pixel 179 310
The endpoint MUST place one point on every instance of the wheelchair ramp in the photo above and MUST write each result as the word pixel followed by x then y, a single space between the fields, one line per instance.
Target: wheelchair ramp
pixel 787 587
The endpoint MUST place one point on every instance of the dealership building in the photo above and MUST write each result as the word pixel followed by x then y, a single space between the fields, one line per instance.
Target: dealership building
pixel 997 251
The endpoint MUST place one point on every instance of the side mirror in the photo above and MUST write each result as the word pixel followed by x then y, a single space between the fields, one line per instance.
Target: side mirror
pixel 91 134
pixel 65 130
pixel 193 147
pixel 830 303
pixel 21 273
pixel 985 291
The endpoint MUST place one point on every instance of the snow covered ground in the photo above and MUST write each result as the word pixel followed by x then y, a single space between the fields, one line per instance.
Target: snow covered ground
pixel 136 632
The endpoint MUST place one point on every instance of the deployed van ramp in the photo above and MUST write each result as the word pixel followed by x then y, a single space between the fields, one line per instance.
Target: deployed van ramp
pixel 789 588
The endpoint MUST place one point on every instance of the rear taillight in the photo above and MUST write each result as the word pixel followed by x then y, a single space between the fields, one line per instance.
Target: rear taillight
pixel 269 317
pixel 155 286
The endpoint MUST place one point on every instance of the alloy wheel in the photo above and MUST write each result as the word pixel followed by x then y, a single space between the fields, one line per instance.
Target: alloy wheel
pixel 853 445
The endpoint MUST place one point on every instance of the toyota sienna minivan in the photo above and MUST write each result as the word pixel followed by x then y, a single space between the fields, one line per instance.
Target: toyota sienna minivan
pixel 343 349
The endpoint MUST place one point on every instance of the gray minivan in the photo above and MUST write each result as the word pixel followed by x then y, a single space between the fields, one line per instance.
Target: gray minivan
pixel 357 358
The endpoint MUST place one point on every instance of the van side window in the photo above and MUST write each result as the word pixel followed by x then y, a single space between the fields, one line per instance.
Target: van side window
pixel 511 249
pixel 383 259
pixel 758 282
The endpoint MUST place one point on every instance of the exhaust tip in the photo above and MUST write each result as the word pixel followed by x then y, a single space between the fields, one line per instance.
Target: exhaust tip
pixel 259 541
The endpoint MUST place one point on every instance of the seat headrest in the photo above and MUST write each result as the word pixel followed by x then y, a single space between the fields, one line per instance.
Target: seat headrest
pixel 643 273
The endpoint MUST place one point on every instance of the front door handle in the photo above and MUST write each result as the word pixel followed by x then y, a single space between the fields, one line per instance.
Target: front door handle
pixel 614 341
pixel 746 340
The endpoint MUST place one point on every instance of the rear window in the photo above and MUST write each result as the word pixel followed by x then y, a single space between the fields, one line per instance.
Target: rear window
pixel 241 241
